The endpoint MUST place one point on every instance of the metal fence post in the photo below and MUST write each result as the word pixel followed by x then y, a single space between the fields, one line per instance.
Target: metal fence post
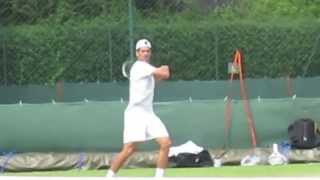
pixel 130 16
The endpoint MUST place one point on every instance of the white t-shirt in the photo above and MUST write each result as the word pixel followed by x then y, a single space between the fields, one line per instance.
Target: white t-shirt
pixel 141 89
pixel 140 122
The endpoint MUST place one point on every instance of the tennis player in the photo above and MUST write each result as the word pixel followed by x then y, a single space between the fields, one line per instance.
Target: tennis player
pixel 140 121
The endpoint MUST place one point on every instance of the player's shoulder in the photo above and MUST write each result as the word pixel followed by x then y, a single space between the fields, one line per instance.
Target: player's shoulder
pixel 141 64
pixel 136 68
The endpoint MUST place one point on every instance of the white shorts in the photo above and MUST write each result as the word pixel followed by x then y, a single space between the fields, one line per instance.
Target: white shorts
pixel 140 125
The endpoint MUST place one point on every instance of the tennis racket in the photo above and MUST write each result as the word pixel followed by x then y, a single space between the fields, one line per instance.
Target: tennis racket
pixel 126 67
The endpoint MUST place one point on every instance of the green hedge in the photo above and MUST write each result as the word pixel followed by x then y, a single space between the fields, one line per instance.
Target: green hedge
pixel 94 50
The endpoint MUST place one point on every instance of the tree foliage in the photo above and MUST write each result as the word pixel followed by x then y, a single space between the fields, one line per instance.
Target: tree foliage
pixel 87 40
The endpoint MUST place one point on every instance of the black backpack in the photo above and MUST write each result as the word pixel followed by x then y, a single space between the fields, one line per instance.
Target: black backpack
pixel 302 134
pixel 203 159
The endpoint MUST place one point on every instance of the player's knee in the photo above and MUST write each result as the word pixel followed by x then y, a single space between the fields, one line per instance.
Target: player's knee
pixel 165 144
pixel 129 149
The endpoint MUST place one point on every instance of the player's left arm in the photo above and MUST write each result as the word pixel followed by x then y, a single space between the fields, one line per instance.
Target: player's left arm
pixel 162 73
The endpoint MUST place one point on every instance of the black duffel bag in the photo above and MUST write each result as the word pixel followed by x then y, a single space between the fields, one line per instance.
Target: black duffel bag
pixel 303 134
pixel 203 159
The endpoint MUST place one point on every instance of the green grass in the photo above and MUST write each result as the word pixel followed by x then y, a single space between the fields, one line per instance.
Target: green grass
pixel 227 171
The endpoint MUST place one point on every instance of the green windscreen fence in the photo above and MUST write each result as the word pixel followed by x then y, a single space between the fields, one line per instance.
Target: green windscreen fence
pixel 191 111
pixel 97 126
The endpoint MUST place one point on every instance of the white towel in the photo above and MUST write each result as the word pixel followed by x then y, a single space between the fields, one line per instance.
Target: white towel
pixel 188 147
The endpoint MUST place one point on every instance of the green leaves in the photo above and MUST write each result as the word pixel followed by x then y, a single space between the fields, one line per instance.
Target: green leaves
pixel 14 12
pixel 87 40
pixel 90 52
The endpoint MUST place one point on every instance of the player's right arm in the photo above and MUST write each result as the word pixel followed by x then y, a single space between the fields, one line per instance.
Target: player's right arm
pixel 162 72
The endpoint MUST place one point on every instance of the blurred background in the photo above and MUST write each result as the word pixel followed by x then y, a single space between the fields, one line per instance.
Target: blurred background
pixel 46 41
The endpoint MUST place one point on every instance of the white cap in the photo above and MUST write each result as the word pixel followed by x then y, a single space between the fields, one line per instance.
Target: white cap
pixel 143 43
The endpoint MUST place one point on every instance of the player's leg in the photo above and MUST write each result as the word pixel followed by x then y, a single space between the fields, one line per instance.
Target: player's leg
pixel 157 130
pixel 164 143
pixel 127 150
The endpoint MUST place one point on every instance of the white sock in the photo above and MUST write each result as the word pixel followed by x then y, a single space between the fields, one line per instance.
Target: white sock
pixel 110 174
pixel 159 172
